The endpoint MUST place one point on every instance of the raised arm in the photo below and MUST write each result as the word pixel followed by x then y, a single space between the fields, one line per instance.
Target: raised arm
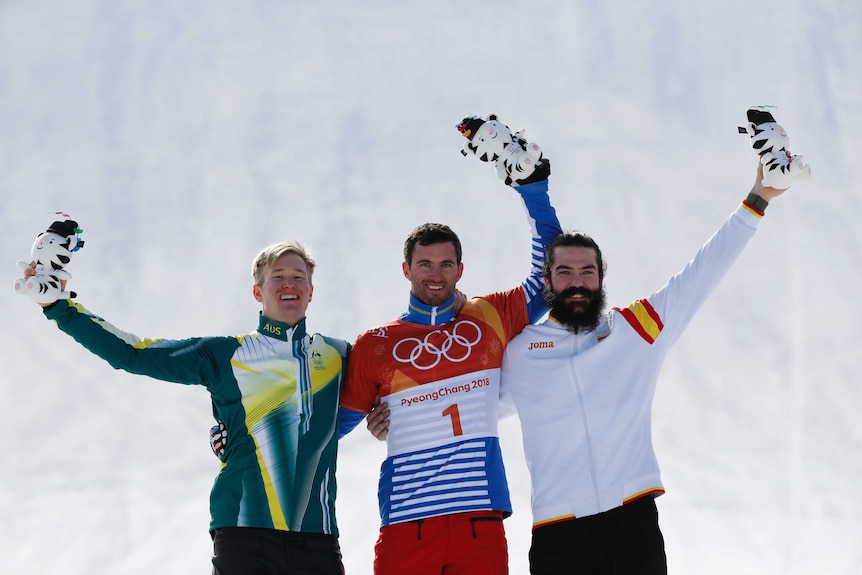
pixel 544 227
pixel 523 166
pixel 44 280
pixel 668 311
pixel 187 361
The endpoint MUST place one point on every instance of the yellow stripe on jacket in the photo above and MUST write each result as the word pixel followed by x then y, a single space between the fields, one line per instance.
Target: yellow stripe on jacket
pixel 643 319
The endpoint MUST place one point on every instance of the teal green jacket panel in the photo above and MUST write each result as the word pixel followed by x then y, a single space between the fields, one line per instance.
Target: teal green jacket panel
pixel 275 389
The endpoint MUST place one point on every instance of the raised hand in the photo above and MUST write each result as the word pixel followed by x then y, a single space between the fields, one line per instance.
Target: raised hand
pixel 517 161
pixel 781 169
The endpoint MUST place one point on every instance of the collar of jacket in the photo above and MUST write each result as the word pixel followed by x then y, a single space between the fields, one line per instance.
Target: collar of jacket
pixel 279 330
pixel 422 313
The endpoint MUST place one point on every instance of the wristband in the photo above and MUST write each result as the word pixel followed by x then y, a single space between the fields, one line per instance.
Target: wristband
pixel 756 203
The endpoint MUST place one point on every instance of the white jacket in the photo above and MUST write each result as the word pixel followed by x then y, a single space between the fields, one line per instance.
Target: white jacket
pixel 585 399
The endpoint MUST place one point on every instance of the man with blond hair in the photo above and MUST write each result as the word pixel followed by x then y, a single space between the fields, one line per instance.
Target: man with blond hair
pixel 276 389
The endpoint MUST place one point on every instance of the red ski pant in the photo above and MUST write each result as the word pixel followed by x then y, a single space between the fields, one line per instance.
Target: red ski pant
pixel 460 544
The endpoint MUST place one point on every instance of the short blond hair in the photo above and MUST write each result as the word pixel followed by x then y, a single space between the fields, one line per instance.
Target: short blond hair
pixel 270 254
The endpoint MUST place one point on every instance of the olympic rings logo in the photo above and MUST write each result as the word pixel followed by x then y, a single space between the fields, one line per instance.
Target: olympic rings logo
pixel 426 355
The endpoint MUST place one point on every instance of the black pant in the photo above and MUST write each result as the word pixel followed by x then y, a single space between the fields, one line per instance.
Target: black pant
pixel 252 551
pixel 622 541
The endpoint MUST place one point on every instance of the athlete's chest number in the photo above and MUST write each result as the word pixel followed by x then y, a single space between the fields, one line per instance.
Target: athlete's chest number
pixel 452 411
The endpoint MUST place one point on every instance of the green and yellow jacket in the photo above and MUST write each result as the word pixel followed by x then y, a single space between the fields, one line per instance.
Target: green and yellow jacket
pixel 275 389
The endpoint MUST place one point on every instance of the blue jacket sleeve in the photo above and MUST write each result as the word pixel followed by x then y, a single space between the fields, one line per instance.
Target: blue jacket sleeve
pixel 348 419
pixel 544 227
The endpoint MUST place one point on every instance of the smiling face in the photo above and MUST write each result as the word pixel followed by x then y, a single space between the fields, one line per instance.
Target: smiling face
pixel 433 272
pixel 575 267
pixel 285 289
pixel 574 287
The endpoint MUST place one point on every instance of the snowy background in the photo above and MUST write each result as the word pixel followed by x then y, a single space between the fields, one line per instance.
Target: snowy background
pixel 185 135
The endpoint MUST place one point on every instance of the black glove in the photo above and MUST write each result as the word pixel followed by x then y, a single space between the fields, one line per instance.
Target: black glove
pixel 218 439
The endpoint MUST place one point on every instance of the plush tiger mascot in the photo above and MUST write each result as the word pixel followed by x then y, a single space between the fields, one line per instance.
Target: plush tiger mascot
pixel 517 161
pixel 52 251
pixel 771 142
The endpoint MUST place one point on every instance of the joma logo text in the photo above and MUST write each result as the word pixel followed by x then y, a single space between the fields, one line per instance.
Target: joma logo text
pixel 540 345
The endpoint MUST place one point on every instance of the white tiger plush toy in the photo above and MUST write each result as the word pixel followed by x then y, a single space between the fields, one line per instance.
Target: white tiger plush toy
pixel 517 161
pixel 52 251
pixel 770 140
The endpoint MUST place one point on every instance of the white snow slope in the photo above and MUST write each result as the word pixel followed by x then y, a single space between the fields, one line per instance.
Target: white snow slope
pixel 184 135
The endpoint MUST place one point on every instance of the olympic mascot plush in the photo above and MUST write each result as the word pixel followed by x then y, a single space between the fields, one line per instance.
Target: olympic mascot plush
pixel 517 161
pixel 771 142
pixel 52 251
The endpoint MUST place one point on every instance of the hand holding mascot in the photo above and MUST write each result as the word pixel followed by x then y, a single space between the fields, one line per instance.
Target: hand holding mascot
pixel 51 253
pixel 780 169
pixel 517 161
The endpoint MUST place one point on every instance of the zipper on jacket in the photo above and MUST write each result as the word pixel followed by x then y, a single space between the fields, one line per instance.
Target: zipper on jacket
pixel 303 380
pixel 587 440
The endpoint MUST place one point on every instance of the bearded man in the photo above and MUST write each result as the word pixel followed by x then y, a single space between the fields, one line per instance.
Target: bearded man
pixel 583 383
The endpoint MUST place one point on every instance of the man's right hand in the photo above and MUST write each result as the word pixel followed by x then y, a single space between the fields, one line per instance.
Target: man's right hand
pixel 377 420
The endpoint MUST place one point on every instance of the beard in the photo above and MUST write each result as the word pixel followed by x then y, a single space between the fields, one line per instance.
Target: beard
pixel 576 316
